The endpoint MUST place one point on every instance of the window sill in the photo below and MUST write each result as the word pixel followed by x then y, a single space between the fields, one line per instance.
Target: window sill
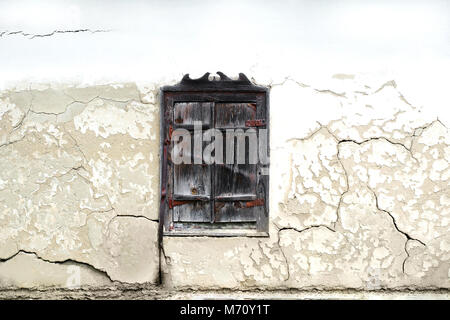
pixel 216 233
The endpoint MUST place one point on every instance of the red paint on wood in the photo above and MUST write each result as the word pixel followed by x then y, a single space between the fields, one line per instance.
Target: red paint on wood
pixel 255 123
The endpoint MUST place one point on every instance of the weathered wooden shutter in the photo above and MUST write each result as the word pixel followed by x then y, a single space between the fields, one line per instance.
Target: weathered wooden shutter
pixel 199 197
pixel 235 195
pixel 191 200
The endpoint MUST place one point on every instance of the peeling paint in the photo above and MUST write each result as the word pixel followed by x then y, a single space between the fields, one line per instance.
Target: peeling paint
pixel 359 192
pixel 71 195
pixel 358 198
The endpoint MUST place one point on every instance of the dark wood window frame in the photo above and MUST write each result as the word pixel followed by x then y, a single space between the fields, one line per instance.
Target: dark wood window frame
pixel 223 92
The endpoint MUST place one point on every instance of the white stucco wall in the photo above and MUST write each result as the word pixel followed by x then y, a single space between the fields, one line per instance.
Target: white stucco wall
pixel 359 141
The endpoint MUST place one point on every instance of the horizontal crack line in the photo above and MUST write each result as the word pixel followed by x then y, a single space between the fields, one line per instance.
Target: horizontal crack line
pixel 133 216
pixel 43 35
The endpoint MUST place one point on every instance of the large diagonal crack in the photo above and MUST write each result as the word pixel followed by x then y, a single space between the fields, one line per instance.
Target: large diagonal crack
pixel 69 260
pixel 409 150
pixel 407 236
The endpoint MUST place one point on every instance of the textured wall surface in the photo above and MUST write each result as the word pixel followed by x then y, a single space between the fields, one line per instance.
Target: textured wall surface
pixel 359 192
pixel 79 183
pixel 360 150
pixel 359 198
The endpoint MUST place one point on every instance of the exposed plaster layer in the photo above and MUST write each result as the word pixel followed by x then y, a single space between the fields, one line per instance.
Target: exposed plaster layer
pixel 79 178
pixel 317 180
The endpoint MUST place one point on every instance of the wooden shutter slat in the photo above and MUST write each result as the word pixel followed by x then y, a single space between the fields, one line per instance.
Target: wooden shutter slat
pixel 235 183
pixel 186 113
pixel 191 181
pixel 235 180
pixel 235 211
pixel 234 115
pixel 195 211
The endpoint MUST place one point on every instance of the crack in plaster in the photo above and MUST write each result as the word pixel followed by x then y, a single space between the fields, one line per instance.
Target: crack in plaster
pixel 280 229
pixel 345 175
pixel 20 123
pixel 60 262
pixel 43 35
pixel 416 133
pixel 134 216
pixel 380 138
pixel 407 236
pixel 82 102
pixel 408 133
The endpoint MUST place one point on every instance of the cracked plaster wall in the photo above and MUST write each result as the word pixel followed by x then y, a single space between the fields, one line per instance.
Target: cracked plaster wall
pixel 78 184
pixel 359 192
pixel 359 160
pixel 359 197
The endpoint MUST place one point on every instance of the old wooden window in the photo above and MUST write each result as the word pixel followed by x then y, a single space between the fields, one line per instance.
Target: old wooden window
pixel 212 181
